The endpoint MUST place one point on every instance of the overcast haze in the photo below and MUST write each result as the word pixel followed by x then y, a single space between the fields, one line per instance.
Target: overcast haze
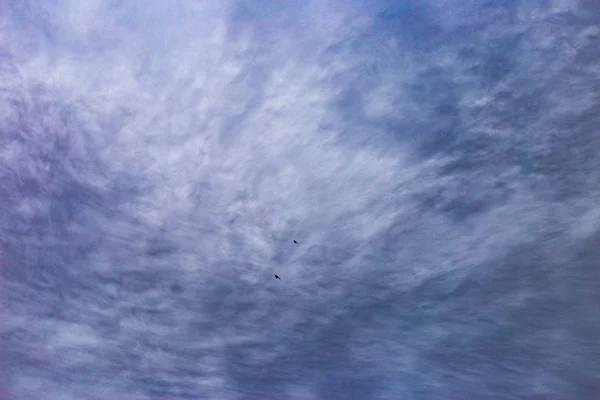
pixel 437 162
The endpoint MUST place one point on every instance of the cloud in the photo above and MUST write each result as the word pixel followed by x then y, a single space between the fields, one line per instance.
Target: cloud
pixel 157 160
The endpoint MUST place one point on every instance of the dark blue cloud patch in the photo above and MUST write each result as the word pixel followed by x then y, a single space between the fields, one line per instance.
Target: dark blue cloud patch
pixel 412 21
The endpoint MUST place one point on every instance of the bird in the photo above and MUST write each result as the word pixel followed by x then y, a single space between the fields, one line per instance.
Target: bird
pixel 277 277
pixel 295 242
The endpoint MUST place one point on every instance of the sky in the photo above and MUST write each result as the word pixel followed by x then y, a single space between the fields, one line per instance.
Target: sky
pixel 438 162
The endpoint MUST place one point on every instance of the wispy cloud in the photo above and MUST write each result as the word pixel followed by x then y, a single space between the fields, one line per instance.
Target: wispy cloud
pixel 437 163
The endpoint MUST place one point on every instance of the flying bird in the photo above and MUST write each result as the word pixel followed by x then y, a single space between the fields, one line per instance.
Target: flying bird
pixel 295 242
pixel 277 276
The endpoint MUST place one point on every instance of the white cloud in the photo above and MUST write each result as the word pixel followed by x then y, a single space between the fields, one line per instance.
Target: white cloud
pixel 221 137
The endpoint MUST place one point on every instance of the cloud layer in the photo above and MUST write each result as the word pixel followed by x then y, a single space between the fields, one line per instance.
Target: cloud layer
pixel 436 161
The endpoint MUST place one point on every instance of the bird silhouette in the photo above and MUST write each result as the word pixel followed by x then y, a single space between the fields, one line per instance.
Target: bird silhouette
pixel 295 242
pixel 277 276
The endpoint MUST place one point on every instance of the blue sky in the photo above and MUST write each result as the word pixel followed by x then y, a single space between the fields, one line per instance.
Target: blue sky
pixel 437 161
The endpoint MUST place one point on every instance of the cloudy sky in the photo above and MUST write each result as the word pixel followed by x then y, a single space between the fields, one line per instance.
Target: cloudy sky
pixel 438 162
